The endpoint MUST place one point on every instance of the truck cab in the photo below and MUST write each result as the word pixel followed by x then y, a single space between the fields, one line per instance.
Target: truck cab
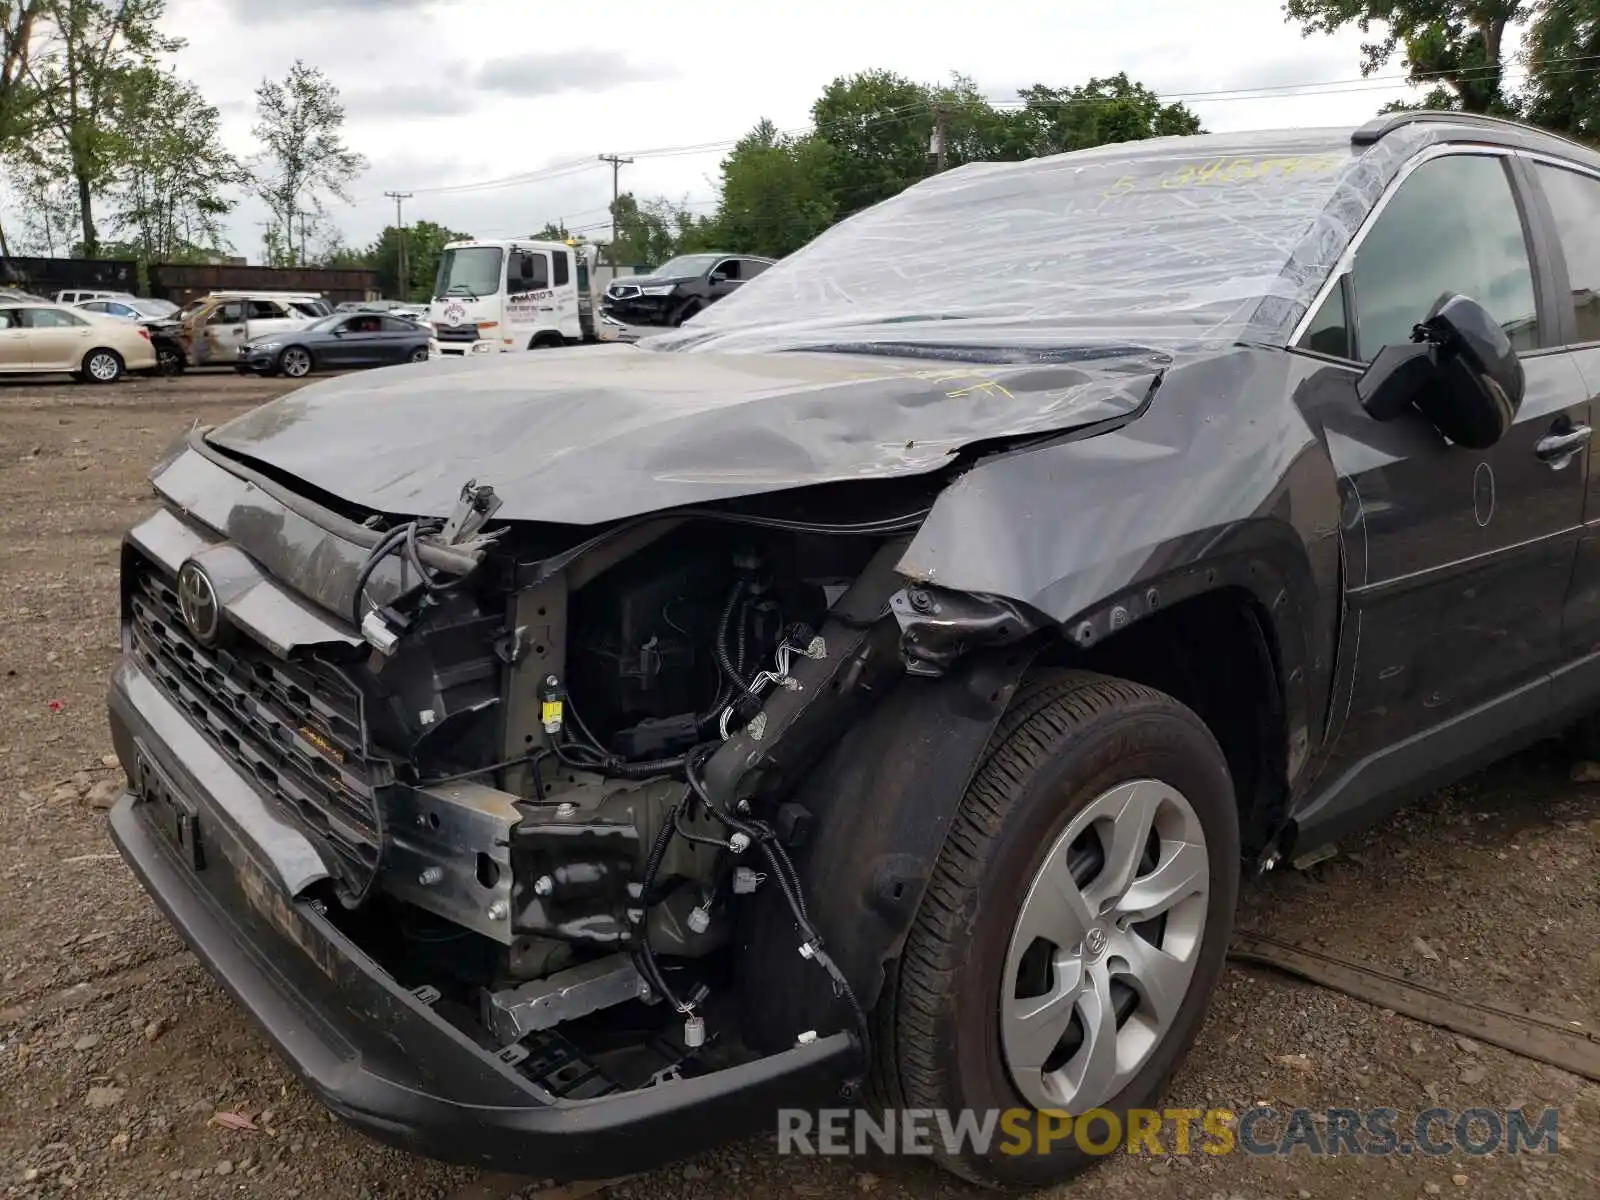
pixel 494 295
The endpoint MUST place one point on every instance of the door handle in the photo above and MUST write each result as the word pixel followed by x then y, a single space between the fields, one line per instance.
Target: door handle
pixel 1558 449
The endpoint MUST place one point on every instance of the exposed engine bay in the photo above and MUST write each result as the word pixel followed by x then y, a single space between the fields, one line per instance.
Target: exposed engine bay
pixel 590 824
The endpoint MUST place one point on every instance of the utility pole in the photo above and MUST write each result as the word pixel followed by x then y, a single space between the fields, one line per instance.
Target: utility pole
pixel 302 213
pixel 616 188
pixel 941 136
pixel 404 272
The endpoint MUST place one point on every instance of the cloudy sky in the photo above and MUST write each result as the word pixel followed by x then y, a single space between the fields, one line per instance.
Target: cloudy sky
pixel 446 95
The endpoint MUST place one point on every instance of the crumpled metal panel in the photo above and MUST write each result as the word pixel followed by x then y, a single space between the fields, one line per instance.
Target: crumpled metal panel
pixel 592 434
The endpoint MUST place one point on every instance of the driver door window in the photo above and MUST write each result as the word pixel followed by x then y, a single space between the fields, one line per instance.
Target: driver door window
pixel 1452 226
pixel 527 271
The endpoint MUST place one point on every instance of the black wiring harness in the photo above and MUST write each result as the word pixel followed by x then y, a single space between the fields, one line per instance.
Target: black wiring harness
pixel 402 539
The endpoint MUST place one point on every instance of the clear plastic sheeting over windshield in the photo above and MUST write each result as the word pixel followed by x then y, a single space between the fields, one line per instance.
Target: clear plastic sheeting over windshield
pixel 469 271
pixel 1163 243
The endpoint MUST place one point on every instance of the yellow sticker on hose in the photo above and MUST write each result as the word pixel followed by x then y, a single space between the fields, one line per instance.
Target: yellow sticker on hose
pixel 550 712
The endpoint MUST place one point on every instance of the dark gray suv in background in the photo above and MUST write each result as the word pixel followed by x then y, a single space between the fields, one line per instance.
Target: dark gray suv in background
pixel 877 687
pixel 679 288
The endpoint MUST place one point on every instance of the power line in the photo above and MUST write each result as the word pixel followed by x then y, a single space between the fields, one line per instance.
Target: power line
pixel 1334 87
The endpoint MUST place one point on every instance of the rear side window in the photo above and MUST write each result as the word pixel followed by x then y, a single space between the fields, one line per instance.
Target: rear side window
pixel 264 310
pixel 561 271
pixel 400 325
pixel 1451 227
pixel 754 267
pixel 1575 201
pixel 51 318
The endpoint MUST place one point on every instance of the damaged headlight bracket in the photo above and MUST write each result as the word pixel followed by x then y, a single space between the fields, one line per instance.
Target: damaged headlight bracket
pixel 938 625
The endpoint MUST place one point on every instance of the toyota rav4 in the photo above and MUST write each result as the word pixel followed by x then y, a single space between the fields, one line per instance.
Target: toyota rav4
pixel 878 687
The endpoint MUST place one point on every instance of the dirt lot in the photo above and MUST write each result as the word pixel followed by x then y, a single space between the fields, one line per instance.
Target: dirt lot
pixel 117 1050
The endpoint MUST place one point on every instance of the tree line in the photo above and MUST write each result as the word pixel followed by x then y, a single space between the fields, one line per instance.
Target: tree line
pixel 110 153
pixel 870 133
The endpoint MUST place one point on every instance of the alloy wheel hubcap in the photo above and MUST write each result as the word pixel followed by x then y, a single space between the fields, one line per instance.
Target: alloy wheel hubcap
pixel 1104 946
pixel 295 363
pixel 103 366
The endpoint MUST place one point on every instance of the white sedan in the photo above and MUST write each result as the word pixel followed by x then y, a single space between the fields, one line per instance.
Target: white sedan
pixel 39 338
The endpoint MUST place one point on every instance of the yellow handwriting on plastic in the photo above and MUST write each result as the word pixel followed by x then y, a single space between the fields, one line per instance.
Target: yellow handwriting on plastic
pixel 1222 171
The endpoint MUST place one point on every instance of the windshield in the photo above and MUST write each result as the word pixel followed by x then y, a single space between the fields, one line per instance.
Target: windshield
pixel 1175 241
pixel 469 271
pixel 686 265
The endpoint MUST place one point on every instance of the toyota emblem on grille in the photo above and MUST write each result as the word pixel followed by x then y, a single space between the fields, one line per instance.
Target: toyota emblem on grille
pixel 197 601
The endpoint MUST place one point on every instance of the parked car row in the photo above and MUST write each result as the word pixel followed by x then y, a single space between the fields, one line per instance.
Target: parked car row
pixel 359 339
pixel 38 336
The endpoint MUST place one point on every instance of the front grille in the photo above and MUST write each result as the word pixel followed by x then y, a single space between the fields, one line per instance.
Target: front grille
pixel 296 729
pixel 456 333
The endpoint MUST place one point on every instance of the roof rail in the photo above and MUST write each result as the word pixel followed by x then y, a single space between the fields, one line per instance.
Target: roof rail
pixel 1378 128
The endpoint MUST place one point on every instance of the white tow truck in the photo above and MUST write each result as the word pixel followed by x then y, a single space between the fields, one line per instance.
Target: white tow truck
pixel 492 295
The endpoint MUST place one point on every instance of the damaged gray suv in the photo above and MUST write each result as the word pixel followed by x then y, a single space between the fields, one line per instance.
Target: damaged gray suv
pixel 874 690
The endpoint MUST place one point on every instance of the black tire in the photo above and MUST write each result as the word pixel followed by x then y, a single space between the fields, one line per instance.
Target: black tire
pixel 169 360
pixel 295 362
pixel 1068 737
pixel 102 365
pixel 688 310
pixel 420 354
pixel 546 341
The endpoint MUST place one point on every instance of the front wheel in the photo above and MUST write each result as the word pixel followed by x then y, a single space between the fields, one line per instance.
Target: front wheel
pixel 687 311
pixel 169 360
pixel 102 366
pixel 419 355
pixel 1075 923
pixel 295 362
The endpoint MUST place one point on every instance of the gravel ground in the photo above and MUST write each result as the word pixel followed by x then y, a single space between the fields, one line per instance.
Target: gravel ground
pixel 117 1052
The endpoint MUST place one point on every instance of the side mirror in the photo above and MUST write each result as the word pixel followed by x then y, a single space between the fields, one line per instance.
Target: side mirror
pixel 718 277
pixel 1460 371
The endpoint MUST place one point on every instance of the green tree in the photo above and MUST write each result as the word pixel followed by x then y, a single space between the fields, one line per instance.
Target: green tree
pixel 1562 54
pixel 425 241
pixel 1114 109
pixel 878 125
pixel 48 202
pixel 644 235
pixel 89 54
pixel 172 184
pixel 300 124
pixel 1456 47
pixel 775 193
pixel 553 231
pixel 19 108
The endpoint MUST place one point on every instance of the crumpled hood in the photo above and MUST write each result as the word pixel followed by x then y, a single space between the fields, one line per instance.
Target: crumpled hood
pixel 597 433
